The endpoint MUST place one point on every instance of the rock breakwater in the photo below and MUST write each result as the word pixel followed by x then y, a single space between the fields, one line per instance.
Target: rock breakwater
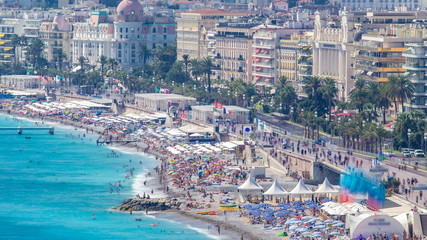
pixel 153 204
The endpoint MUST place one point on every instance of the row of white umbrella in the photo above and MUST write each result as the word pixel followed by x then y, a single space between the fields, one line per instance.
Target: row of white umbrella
pixel 276 190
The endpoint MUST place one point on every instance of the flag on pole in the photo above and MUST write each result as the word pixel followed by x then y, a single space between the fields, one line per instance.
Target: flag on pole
pixel 218 105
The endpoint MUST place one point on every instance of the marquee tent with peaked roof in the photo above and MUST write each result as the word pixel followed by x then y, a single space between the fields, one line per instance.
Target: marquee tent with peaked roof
pixel 276 190
pixel 301 188
pixel 250 184
pixel 326 187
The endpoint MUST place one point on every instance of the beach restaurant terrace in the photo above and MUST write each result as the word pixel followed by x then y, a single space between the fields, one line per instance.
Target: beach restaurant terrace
pixel 162 101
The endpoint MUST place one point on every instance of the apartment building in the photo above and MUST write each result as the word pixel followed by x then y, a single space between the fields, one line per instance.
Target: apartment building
pixel 120 39
pixel 416 70
pixel 233 50
pixel 332 51
pixel 57 37
pixel 193 27
pixel 379 57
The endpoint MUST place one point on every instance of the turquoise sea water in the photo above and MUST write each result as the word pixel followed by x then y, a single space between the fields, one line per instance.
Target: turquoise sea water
pixel 53 186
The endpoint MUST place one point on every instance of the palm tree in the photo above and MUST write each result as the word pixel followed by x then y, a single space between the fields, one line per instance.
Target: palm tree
pixel 285 93
pixel 17 43
pixel 35 51
pixel 329 92
pixel 359 94
pixel 196 68
pixel 144 53
pixel 186 60
pixel 112 63
pixel 82 62
pixel 207 66
pixel 103 60
pixel 59 56
pixel 400 88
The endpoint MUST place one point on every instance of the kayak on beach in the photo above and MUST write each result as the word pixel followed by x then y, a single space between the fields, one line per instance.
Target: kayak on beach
pixel 227 206
pixel 207 213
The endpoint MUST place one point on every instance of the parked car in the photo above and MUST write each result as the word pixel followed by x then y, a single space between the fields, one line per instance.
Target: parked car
pixel 388 154
pixel 419 153
pixel 406 154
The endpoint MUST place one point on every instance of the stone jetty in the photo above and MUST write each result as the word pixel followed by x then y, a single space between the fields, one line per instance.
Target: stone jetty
pixel 153 204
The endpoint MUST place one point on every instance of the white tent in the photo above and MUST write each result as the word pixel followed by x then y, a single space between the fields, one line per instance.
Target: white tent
pixel 301 188
pixel 276 190
pixel 250 184
pixel 326 187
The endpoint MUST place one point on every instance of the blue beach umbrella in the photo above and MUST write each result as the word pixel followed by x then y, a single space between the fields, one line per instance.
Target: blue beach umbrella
pixel 329 221
pixel 255 212
pixel 293 227
pixel 319 227
pixel 334 233
pixel 338 225
pixel 302 230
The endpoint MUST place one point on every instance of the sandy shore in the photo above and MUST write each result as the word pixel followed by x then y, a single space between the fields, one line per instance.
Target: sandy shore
pixel 190 218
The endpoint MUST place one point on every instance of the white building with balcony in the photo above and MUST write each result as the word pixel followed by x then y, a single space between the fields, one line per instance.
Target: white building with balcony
pixel 332 50
pixel 416 71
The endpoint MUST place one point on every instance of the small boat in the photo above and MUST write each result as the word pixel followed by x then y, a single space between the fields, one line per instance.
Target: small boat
pixel 153 224
pixel 27 137
pixel 138 219
pixel 231 205
pixel 207 213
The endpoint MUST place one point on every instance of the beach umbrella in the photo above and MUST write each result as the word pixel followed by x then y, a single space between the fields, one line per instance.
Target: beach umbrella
pixel 319 227
pixel 359 237
pixel 284 234
pixel 293 227
pixel 306 218
pixel 255 212
pixel 302 230
pixel 329 221
pixel 170 172
pixel 264 205
pixel 336 222
pixel 307 234
pixel 319 223
pixel 338 225
pixel 334 233
pixel 290 222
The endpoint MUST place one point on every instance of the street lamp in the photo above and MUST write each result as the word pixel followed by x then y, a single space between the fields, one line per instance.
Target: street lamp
pixel 292 113
pixel 383 109
pixel 425 141
pixel 409 137
pixel 244 100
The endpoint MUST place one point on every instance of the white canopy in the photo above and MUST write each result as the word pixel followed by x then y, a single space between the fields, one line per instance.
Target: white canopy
pixel 276 190
pixel 250 184
pixel 326 187
pixel 301 188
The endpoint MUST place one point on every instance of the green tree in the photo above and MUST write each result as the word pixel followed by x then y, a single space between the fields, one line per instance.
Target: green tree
pixel 103 60
pixel 59 56
pixel 35 52
pixel 399 88
pixel 208 65
pixel 285 94
pixel 82 63
pixel 186 61
pixel 359 94
pixel 176 73
pixel 17 43
pixel 329 93
pixel 144 53
pixel 196 68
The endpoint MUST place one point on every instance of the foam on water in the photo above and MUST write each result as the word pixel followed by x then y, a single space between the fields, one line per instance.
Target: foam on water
pixel 59 187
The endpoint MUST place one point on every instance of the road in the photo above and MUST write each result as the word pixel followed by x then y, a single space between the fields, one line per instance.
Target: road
pixel 295 132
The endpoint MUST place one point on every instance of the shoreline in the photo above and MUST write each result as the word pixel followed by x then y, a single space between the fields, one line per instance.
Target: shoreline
pixel 192 219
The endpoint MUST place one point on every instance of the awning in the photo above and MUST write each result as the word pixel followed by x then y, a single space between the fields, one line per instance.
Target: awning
pixel 257 50
pixel 257 59
pixel 370 73
pixel 311 57
pixel 259 68
pixel 268 79
pixel 266 51
pixel 257 78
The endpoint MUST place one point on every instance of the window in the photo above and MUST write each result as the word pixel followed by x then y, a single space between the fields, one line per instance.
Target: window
pixel 121 30
pixel 154 45
pixel 141 12
pixel 164 37
pixel 132 12
pixel 122 12
pixel 154 30
pixel 127 30
pixel 164 30
pixel 119 54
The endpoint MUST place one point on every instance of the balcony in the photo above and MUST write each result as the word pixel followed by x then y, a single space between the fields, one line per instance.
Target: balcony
pixel 262 64
pixel 415 67
pixel 410 54
pixel 305 73
pixel 263 46
pixel 263 74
